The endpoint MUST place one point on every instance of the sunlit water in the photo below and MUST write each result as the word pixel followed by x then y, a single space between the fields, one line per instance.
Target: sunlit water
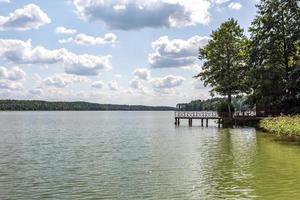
pixel 139 155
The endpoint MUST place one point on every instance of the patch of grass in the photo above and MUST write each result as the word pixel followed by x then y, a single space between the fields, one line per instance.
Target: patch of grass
pixel 282 126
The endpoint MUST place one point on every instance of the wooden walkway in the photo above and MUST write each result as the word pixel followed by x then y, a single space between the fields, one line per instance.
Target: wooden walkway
pixel 211 115
pixel 202 115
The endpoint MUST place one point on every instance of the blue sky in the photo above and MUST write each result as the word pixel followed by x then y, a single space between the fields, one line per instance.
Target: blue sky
pixel 109 51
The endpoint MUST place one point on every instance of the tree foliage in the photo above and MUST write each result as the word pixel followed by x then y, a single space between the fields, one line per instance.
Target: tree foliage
pixel 266 67
pixel 275 54
pixel 225 60
pixel 213 104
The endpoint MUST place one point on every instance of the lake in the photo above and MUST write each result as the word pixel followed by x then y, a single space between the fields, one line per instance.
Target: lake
pixel 139 155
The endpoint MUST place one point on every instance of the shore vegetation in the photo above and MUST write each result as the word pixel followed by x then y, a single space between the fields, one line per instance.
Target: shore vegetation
pixel 282 126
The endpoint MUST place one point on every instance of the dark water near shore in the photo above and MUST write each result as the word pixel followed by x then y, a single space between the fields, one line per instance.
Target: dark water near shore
pixel 139 155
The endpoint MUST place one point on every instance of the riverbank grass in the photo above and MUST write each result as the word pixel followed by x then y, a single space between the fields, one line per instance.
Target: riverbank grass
pixel 282 126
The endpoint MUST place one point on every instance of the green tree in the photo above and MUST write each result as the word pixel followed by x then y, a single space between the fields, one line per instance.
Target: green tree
pixel 225 61
pixel 275 35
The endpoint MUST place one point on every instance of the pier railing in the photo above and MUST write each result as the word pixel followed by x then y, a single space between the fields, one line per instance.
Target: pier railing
pixel 245 114
pixel 196 114
pixel 211 114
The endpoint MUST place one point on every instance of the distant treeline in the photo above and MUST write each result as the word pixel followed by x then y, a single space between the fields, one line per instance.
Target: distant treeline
pixel 214 104
pixel 31 105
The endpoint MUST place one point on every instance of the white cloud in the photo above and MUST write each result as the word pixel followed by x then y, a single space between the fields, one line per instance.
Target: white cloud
pixel 135 84
pixel 197 84
pixel 26 18
pixel 66 40
pixel 63 80
pixel 13 74
pixel 64 30
pixel 98 84
pixel 141 76
pixel 219 2
pixel 113 85
pixel 10 79
pixel 142 73
pixel 4 1
pixel 175 53
pixel 36 91
pixel 138 14
pixel 235 6
pixel 83 39
pixel 169 81
pixel 118 75
pixel 20 52
pixel 11 85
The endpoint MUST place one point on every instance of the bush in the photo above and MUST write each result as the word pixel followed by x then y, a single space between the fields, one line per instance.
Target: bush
pixel 282 126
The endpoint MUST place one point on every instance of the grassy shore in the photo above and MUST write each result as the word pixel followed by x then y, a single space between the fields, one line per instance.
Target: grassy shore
pixel 282 126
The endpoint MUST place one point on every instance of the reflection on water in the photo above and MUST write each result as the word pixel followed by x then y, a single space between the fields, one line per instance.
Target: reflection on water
pixel 139 155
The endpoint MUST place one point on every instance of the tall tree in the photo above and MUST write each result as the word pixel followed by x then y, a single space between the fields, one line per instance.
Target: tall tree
pixel 275 34
pixel 225 61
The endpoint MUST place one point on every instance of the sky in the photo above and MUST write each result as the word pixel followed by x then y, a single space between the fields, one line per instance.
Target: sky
pixel 109 51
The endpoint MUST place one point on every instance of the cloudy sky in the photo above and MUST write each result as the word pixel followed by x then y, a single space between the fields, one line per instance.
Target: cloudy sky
pixel 109 51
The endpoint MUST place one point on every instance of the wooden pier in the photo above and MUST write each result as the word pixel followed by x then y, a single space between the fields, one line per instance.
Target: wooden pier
pixel 212 115
pixel 201 115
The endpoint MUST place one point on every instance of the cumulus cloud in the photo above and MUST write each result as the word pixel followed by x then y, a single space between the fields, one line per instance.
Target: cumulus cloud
pixel 11 85
pixel 175 53
pixel 13 74
pixel 83 39
pixel 36 91
pixel 11 79
pixel 98 84
pixel 63 80
pixel 26 18
pixel 219 2
pixel 138 14
pixel 142 73
pixel 198 85
pixel 4 1
pixel 118 76
pixel 21 52
pixel 235 6
pixel 113 85
pixel 64 30
pixel 65 40
pixel 135 84
pixel 169 81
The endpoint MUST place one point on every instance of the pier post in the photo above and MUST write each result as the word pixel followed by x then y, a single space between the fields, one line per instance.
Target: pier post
pixel 206 122
pixel 219 123
pixel 177 122
pixel 202 122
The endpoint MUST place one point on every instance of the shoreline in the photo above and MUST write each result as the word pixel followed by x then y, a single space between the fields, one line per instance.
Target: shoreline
pixel 285 128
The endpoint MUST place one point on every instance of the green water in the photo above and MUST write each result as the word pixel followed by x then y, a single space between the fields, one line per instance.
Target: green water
pixel 139 155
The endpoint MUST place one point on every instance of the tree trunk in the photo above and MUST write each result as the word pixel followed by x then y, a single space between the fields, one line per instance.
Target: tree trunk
pixel 229 104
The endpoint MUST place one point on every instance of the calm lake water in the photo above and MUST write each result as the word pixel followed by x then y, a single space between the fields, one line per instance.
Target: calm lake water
pixel 139 155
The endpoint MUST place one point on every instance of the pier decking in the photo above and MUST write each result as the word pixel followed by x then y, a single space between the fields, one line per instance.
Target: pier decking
pixel 212 115
pixel 202 115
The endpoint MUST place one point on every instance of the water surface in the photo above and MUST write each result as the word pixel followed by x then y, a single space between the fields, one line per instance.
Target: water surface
pixel 139 155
